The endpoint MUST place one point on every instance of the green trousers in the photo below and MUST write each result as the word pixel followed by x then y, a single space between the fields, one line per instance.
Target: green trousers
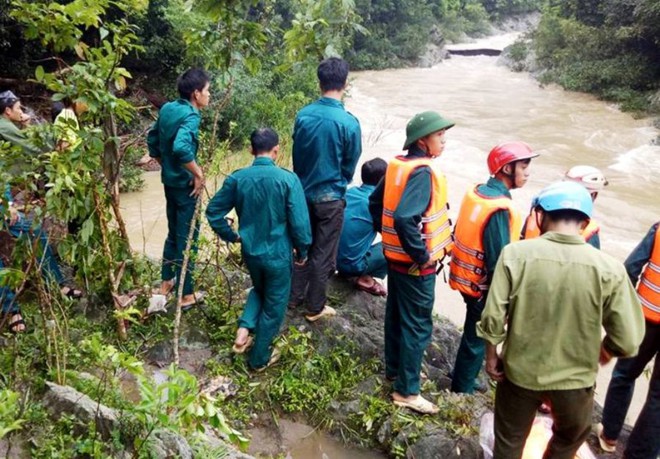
pixel 408 328
pixel 515 409
pixel 472 349
pixel 180 210
pixel 265 307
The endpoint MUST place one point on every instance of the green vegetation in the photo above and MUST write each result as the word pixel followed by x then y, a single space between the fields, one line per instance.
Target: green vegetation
pixel 608 48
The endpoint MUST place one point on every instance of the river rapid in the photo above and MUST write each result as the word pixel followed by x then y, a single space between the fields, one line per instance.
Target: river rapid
pixel 490 104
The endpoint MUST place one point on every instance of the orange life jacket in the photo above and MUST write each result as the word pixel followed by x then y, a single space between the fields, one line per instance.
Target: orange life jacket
pixel 532 230
pixel 467 269
pixel 648 287
pixel 435 225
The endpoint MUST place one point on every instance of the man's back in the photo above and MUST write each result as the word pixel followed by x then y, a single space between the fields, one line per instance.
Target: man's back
pixel 326 148
pixel 358 231
pixel 557 291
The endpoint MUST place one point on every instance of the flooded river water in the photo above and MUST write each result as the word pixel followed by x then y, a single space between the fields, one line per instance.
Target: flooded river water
pixel 491 104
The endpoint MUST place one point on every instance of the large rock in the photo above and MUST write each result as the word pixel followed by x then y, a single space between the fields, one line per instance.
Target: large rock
pixel 61 400
pixel 165 444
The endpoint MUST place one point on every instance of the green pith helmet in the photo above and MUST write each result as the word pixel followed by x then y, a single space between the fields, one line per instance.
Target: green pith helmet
pixel 423 124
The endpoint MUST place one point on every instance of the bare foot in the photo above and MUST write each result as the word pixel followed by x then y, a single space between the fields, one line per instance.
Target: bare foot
pixel 166 287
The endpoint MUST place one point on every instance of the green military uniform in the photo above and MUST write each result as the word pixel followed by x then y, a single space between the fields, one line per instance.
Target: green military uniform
pixel 471 351
pixel 173 140
pixel 9 132
pixel 273 220
pixel 410 299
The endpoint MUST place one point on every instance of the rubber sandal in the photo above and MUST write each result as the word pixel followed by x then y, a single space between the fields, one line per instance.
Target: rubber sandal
pixel 240 349
pixel 374 289
pixel 14 324
pixel 609 446
pixel 199 299
pixel 544 408
pixel 327 311
pixel 72 293
pixel 275 357
pixel 420 405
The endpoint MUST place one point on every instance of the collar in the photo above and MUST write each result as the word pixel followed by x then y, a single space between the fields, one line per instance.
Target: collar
pixel 415 152
pixel 563 238
pixel 331 102
pixel 7 121
pixel 263 161
pixel 188 103
pixel 499 186
pixel 367 188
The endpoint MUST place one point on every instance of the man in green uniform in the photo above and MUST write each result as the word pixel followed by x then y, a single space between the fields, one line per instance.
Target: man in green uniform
pixel 326 147
pixel 509 165
pixel 547 302
pixel 11 115
pixel 412 251
pixel 173 142
pixel 273 221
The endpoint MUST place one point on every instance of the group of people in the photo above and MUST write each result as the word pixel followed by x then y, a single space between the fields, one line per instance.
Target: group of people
pixel 15 221
pixel 545 298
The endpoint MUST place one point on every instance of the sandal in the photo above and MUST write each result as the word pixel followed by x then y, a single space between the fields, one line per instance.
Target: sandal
pixel 16 323
pixel 607 445
pixel 274 358
pixel 375 288
pixel 419 404
pixel 199 299
pixel 71 292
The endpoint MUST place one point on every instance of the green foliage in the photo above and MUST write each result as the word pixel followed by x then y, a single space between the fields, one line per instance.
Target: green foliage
pixel 603 49
pixel 10 409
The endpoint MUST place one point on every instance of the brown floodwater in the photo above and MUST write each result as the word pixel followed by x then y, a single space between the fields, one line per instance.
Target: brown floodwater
pixel 490 104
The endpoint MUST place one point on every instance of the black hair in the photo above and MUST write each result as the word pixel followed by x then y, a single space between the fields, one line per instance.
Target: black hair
pixel 263 140
pixel 332 73
pixel 190 81
pixel 7 103
pixel 56 109
pixel 568 215
pixel 373 171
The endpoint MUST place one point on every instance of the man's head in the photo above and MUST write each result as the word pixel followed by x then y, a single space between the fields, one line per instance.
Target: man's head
pixel 509 162
pixel 265 142
pixel 427 131
pixel 10 107
pixel 193 85
pixel 373 171
pixel 589 177
pixel 333 74
pixel 564 207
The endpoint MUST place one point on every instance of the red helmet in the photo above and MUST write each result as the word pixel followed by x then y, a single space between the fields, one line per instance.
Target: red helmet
pixel 506 153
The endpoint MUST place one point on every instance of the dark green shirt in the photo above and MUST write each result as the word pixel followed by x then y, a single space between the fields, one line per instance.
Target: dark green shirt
pixel 174 139
pixel 408 214
pixel 9 132
pixel 272 213
pixel 327 143
pixel 497 232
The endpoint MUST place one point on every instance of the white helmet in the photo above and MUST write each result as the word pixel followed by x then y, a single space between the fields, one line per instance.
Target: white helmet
pixel 588 176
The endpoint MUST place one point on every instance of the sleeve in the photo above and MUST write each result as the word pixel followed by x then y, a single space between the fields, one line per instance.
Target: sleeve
pixel 185 141
pixel 640 255
pixel 408 214
pixel 352 152
pixel 376 205
pixel 492 326
pixel 153 141
pixel 623 320
pixel 17 137
pixel 218 208
pixel 298 218
pixel 594 241
pixel 496 236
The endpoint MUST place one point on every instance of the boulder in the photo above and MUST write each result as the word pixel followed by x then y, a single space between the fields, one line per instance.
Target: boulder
pixel 66 400
pixel 165 444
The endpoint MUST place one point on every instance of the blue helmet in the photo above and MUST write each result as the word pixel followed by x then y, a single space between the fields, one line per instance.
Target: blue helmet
pixel 564 195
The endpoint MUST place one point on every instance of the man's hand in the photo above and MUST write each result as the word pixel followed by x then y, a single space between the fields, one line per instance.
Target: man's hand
pixel 494 364
pixel 604 357
pixel 302 262
pixel 198 185
pixel 429 264
pixel 14 216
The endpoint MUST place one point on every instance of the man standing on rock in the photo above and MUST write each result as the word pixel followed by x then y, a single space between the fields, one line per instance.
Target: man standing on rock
pixel 273 221
pixel 173 142
pixel 644 441
pixel 487 221
pixel 409 208
pixel 327 143
pixel 547 302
